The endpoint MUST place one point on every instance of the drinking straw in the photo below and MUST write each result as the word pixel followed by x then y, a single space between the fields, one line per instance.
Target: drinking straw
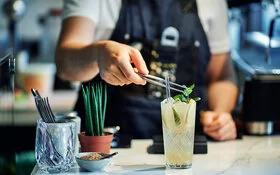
pixel 167 87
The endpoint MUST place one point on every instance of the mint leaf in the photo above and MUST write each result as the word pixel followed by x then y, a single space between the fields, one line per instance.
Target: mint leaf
pixel 188 90
pixel 196 98
pixel 185 96
pixel 180 97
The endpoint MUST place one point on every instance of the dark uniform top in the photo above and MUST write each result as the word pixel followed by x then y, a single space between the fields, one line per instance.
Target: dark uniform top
pixel 136 109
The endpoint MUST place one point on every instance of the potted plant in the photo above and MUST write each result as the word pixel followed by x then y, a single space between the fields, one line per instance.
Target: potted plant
pixel 94 139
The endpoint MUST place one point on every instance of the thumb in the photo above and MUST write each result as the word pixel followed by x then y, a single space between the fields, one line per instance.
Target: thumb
pixel 207 117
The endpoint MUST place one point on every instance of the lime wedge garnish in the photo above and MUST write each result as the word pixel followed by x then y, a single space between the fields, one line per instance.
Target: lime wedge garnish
pixel 176 117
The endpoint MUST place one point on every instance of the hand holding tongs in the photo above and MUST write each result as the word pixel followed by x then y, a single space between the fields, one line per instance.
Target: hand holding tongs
pixel 161 82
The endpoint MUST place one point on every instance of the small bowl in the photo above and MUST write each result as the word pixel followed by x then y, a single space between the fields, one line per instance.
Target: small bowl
pixel 92 165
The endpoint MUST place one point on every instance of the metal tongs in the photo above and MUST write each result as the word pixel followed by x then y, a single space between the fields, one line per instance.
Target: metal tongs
pixel 161 82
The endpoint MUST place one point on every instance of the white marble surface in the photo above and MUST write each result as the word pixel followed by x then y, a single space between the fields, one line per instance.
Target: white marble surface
pixel 252 155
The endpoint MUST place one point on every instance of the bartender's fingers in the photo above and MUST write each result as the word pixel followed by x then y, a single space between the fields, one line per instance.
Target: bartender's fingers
pixel 230 134
pixel 138 61
pixel 207 117
pixel 226 132
pixel 127 69
pixel 112 74
pixel 219 121
pixel 120 81
pixel 112 79
pixel 118 74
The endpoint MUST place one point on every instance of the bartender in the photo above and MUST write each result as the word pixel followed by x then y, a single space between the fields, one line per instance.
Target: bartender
pixel 110 40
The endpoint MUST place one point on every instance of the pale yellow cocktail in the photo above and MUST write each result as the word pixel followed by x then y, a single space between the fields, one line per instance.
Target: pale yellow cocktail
pixel 178 122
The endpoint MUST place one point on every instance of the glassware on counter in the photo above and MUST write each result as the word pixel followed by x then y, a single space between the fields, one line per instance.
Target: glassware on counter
pixel 54 146
pixel 178 122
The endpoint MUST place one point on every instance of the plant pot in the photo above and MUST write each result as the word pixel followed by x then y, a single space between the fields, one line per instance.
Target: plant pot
pixel 96 143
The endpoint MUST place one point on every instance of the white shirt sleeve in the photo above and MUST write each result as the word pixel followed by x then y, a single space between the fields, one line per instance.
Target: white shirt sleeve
pixel 214 18
pixel 104 14
pixel 83 8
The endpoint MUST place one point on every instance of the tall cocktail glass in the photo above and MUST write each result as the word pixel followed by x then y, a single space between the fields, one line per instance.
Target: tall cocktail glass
pixel 178 124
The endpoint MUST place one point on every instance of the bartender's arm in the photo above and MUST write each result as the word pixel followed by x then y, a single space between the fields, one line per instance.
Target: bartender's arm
pixel 78 58
pixel 222 90
pixel 222 95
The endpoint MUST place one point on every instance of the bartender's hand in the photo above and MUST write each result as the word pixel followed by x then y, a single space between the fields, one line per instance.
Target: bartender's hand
pixel 114 62
pixel 219 126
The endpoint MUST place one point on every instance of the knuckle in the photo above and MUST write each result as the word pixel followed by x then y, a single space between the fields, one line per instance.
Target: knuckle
pixel 106 74
pixel 129 76
pixel 118 58
pixel 219 124
pixel 110 69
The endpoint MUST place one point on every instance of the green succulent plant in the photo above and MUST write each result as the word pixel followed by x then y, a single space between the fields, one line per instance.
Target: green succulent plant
pixel 95 103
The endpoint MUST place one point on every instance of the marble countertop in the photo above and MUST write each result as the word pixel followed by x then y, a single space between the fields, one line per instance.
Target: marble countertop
pixel 250 155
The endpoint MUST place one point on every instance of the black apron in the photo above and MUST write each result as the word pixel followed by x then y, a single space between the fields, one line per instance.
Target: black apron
pixel 136 109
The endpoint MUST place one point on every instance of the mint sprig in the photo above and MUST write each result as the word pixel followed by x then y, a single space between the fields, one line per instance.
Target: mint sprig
pixel 185 96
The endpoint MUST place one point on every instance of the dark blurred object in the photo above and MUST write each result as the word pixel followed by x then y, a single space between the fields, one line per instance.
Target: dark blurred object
pixel 7 153
pixel 60 84
pixel 261 88
pixel 14 10
pixel 7 163
pixel 236 3
pixel 7 70
pixel 122 141
pixel 261 104
pixel 119 140
pixel 32 47
pixel 200 145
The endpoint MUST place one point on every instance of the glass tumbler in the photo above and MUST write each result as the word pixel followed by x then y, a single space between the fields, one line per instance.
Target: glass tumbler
pixel 54 146
pixel 178 124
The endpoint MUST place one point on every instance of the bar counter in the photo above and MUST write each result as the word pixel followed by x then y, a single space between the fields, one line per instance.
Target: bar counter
pixel 250 155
